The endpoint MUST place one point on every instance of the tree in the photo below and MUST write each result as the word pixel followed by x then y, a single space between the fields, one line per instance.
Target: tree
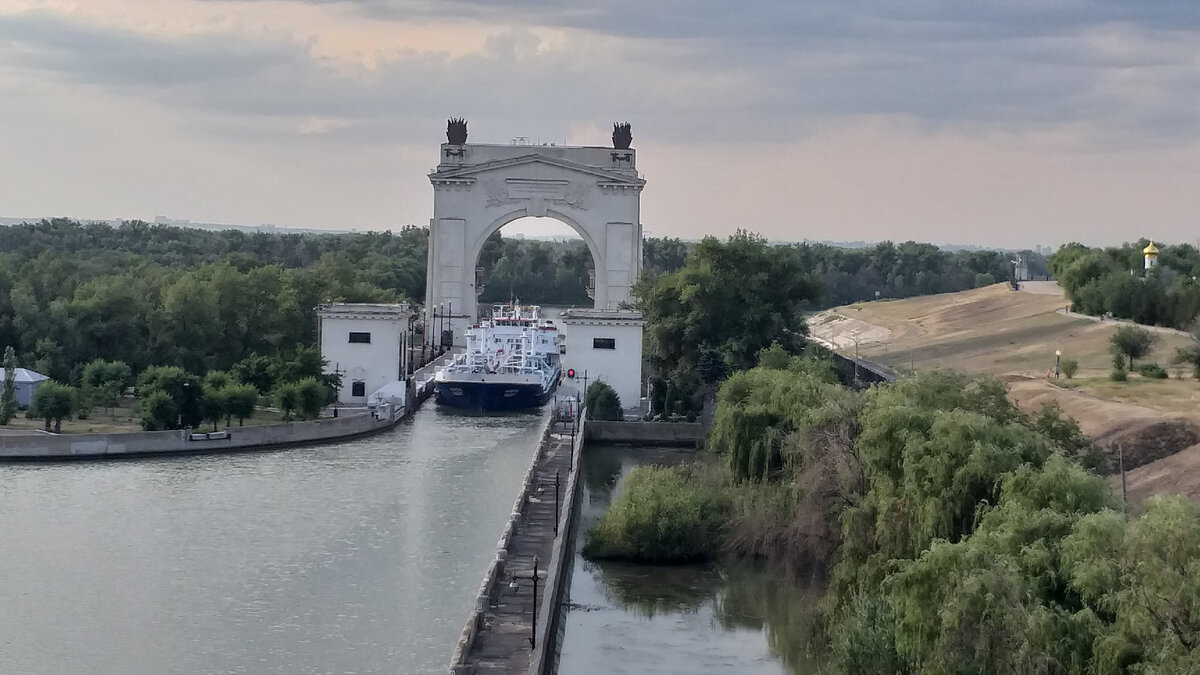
pixel 312 396
pixel 737 297
pixel 1133 342
pixel 55 402
pixel 602 402
pixel 240 400
pixel 255 370
pixel 287 399
pixel 159 411
pixel 8 399
pixel 185 389
pixel 104 382
pixel 1069 367
pixel 213 405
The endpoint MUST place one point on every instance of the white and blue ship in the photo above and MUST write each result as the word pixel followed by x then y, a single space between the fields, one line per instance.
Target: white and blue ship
pixel 511 362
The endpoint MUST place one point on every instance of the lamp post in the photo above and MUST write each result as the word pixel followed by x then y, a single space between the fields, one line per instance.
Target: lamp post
pixel 513 586
pixel 1057 362
pixel 852 337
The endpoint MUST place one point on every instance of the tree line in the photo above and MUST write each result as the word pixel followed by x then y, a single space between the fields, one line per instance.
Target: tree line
pixel 1114 281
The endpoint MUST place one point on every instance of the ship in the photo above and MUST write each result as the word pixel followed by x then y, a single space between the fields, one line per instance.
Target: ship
pixel 511 362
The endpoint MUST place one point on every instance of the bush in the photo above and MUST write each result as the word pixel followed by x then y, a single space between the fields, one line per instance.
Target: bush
pixel 602 402
pixel 1118 375
pixel 1152 371
pixel 1069 367
pixel 661 517
pixel 159 411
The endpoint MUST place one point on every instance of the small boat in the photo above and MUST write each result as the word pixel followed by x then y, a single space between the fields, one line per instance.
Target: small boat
pixel 511 362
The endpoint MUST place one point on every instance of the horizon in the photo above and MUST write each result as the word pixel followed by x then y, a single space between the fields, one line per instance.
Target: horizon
pixel 930 122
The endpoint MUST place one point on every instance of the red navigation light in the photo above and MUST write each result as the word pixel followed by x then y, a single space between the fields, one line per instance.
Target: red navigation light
pixel 571 373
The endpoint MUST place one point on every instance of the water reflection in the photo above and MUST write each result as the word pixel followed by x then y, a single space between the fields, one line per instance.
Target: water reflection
pixel 716 618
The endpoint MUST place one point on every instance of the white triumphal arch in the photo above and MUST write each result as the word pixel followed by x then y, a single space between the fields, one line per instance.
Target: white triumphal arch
pixel 479 188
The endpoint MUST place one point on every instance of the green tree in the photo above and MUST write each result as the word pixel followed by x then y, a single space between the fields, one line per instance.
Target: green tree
pixel 159 411
pixel 213 405
pixel 312 397
pixel 1069 367
pixel 240 401
pixel 1132 342
pixel 255 370
pixel 602 402
pixel 287 399
pixel 185 389
pixel 217 379
pixel 774 357
pixel 8 399
pixel 736 297
pixel 54 402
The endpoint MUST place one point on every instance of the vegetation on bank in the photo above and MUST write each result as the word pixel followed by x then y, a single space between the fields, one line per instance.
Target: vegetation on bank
pixel 1113 280
pixel 957 533
pixel 602 402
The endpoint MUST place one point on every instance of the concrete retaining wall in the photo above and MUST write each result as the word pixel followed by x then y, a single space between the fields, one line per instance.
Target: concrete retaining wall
pixel 646 433
pixel 79 446
pixel 495 570
pixel 543 660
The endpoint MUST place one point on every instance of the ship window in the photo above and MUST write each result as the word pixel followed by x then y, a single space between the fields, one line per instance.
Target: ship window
pixel 362 338
pixel 358 389
pixel 604 343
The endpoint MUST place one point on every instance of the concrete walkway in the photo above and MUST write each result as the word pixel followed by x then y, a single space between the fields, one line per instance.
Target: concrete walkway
pixel 1124 322
pixel 502 644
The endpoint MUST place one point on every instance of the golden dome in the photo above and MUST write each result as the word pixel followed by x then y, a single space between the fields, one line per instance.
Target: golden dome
pixel 1151 249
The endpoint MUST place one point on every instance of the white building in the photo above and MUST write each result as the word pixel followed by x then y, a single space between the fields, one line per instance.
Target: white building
pixel 606 345
pixel 365 343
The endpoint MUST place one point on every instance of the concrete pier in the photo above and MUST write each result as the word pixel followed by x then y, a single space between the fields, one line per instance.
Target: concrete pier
pixel 507 631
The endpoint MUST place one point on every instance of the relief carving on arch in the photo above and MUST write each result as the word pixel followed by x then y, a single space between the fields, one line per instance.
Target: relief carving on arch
pixel 514 191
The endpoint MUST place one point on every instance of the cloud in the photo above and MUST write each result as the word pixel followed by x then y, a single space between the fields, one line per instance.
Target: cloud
pixel 755 71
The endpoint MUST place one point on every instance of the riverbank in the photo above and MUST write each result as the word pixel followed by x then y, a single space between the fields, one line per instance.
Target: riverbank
pixel 348 425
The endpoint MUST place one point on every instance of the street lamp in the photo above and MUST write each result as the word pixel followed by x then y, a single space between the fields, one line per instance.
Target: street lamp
pixel 514 586
pixel 852 337
pixel 1057 362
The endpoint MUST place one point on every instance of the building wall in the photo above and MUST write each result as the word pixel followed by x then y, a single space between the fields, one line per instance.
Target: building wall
pixel 374 364
pixel 620 367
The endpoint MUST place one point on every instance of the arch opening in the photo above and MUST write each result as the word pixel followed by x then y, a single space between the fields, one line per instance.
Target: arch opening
pixel 535 260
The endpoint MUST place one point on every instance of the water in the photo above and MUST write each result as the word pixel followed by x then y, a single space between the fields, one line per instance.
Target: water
pixel 697 619
pixel 362 557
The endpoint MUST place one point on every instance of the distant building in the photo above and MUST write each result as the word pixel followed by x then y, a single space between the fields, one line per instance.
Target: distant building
pixel 1151 253
pixel 27 382
pixel 365 343
pixel 606 345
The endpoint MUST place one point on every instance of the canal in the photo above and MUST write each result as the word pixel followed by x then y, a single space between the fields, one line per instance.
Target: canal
pixel 360 557
pixel 734 617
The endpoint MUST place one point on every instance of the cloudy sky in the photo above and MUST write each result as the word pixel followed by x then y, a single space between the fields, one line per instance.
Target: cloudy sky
pixel 1009 123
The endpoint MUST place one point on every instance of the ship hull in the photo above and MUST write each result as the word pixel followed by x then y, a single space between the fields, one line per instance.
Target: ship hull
pixel 491 396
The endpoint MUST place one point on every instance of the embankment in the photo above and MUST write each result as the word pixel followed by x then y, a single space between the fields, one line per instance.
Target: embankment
pixel 142 443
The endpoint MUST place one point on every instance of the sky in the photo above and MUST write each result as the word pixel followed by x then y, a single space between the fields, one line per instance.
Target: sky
pixel 1014 123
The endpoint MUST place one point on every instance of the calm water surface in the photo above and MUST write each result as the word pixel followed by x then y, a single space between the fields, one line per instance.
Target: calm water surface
pixel 625 618
pixel 362 557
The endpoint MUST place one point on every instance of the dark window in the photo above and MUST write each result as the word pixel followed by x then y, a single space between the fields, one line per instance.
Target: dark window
pixel 604 343
pixel 358 388
pixel 364 338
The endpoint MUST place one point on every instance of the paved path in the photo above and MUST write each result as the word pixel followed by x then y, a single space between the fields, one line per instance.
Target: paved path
pixel 502 645
pixel 1124 322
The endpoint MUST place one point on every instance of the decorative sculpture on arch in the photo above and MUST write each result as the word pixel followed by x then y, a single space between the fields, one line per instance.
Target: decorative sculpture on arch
pixel 622 136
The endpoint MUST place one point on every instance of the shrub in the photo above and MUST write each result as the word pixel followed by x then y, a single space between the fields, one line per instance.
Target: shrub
pixel 1069 367
pixel 1152 371
pixel 661 517
pixel 287 399
pixel 1118 375
pixel 602 402
pixel 159 411
pixel 312 397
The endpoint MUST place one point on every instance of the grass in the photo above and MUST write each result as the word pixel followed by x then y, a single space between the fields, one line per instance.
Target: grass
pixel 997 331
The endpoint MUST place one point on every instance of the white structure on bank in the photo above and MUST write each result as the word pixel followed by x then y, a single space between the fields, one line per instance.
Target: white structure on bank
pixel 606 345
pixel 26 382
pixel 366 344
pixel 477 189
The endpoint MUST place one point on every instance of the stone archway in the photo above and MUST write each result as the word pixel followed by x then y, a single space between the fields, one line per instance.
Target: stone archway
pixel 478 188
